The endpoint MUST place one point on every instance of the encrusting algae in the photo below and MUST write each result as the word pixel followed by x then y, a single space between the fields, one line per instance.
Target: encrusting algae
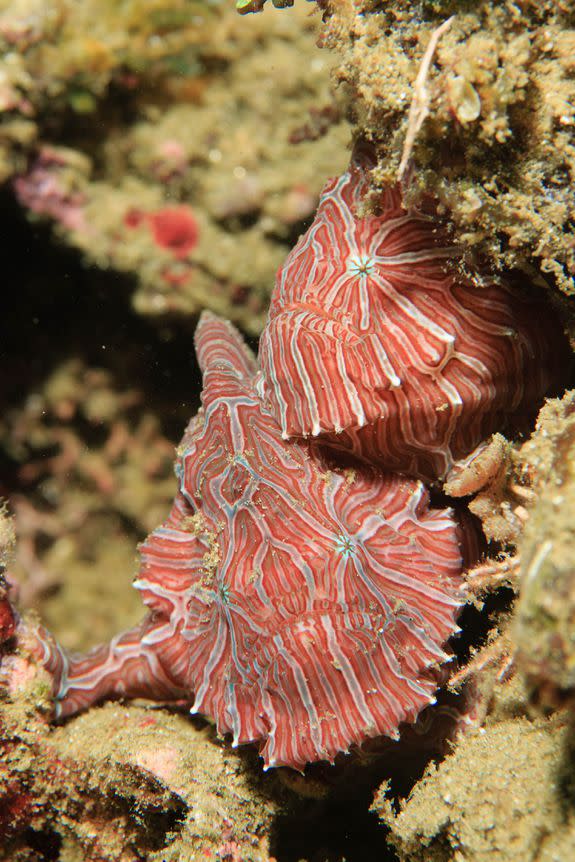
pixel 545 619
pixel 505 793
pixel 497 144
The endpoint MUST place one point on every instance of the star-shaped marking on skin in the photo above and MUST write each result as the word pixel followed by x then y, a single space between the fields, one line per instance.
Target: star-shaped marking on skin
pixel 380 342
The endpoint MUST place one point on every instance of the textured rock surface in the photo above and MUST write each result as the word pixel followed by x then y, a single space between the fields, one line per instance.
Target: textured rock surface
pixel 497 147
pixel 506 793
pixel 121 783
pixel 545 622
pixel 497 144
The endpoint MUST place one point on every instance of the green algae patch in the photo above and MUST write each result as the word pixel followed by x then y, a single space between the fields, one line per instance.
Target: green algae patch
pixel 124 784
pixel 505 793
pixel 545 620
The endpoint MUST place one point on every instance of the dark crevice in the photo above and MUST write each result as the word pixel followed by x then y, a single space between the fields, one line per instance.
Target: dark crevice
pixel 55 307
pixel 44 843
pixel 89 131
pixel 335 829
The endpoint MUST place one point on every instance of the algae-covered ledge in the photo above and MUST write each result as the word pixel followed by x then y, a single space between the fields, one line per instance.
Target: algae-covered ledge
pixel 497 144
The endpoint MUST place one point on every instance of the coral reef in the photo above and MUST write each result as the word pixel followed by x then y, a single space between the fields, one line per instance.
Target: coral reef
pixel 88 460
pixel 7 543
pixel 61 59
pixel 185 147
pixel 186 134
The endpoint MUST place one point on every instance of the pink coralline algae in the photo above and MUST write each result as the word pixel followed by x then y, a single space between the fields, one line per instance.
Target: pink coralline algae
pixel 46 191
pixel 7 621
pixel 300 607
pixel 174 229
pixel 379 344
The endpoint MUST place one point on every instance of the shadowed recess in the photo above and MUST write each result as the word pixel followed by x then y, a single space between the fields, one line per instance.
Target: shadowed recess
pixel 56 308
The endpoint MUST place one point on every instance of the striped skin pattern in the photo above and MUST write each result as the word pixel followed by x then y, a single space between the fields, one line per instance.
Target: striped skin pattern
pixel 303 608
pixel 375 343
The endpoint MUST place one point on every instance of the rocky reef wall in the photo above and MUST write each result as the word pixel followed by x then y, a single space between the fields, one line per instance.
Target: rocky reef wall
pixel 159 157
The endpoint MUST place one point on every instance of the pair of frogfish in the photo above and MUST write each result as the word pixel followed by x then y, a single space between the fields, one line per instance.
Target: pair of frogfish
pixel 302 589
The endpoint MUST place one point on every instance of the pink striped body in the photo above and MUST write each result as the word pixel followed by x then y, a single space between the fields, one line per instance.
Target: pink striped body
pixel 299 607
pixel 378 346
